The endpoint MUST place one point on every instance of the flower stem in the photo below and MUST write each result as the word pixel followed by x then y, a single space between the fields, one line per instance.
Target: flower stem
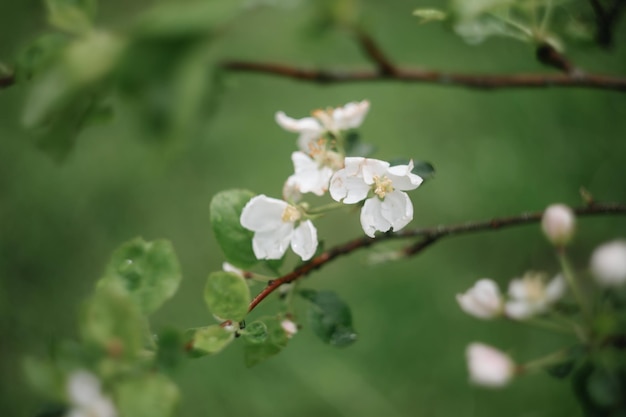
pixel 325 208
pixel 568 272
pixel 540 363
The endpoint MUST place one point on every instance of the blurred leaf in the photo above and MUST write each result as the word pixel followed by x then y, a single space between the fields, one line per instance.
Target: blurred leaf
pixel 604 387
pixel 148 272
pixel 151 395
pixel 429 15
pixel 72 16
pixel 233 238
pixel 256 332
pixel 355 147
pixel 227 295
pixel 255 352
pixel 210 340
pixel 40 55
pixel 92 57
pixel 45 378
pixel 170 349
pixel 191 19
pixel 113 322
pixel 330 318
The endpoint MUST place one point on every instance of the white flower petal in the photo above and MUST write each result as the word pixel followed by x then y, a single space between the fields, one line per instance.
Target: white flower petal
pixel 227 267
pixel 83 388
pixel 488 366
pixel 309 176
pixel 402 177
pixel 372 218
pixel 518 310
pixel 304 240
pixel 272 244
pixel 291 190
pixel 397 209
pixel 351 115
pixel 555 289
pixel 371 168
pixel 289 327
pixel 483 300
pixel 263 214
pixel 517 289
pixel 346 188
pixel 307 124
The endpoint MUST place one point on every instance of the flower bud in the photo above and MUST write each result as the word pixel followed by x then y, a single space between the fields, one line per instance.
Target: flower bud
pixel 608 263
pixel 483 300
pixel 488 366
pixel 558 224
pixel 289 327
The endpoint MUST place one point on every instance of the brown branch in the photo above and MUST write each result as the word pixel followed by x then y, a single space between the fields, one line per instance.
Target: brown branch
pixel 606 20
pixel 477 81
pixel 429 236
pixel 7 80
pixel 375 53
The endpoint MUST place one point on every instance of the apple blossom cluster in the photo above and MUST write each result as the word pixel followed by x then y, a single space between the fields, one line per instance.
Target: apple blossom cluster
pixel 533 298
pixel 320 166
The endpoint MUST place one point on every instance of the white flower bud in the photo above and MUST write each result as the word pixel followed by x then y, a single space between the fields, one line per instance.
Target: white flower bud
pixel 558 224
pixel 483 300
pixel 608 263
pixel 488 366
pixel 289 327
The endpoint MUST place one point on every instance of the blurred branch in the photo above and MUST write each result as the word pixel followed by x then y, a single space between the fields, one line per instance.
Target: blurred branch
pixel 606 20
pixel 428 236
pixel 476 81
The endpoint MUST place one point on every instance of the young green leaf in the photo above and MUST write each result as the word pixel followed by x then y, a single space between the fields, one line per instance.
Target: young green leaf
pixel 45 377
pixel 209 340
pixel 72 16
pixel 255 332
pixel 233 238
pixel 430 15
pixel 227 296
pixel 256 352
pixel 113 322
pixel 330 317
pixel 152 395
pixel 148 272
pixel 170 349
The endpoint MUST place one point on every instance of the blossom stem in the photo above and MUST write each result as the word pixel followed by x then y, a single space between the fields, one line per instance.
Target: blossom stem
pixel 548 325
pixel 545 361
pixel 325 208
pixel 570 277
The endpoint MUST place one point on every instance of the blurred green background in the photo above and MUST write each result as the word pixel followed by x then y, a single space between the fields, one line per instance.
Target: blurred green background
pixel 496 153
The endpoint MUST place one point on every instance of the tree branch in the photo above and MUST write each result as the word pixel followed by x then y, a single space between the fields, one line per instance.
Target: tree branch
pixel 428 237
pixel 476 81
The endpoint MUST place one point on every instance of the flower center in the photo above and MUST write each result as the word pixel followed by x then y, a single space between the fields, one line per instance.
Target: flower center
pixel 291 214
pixel 382 186
pixel 326 118
pixel 535 288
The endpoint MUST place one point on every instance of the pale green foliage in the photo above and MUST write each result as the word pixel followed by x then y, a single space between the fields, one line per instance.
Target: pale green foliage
pixel 210 340
pixel 430 15
pixel 227 296
pixel 257 351
pixel 151 395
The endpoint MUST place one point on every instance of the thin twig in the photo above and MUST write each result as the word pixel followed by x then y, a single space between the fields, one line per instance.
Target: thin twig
pixel 414 75
pixel 429 236
pixel 371 49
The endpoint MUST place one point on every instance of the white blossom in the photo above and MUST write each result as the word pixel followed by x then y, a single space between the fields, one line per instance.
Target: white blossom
pixel 531 295
pixel 488 366
pixel 483 300
pixel 289 327
pixel 86 397
pixel 608 263
pixel 389 207
pixel 313 172
pixel 324 121
pixel 558 223
pixel 228 267
pixel 277 225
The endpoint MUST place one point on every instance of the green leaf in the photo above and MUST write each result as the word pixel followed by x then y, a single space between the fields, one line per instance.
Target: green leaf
pixel 72 16
pixel 148 272
pixel 355 147
pixel 430 15
pixel 151 395
pixel 40 55
pixel 233 238
pixel 45 378
pixel 330 318
pixel 170 349
pixel 604 387
pixel 113 322
pixel 227 296
pixel 276 340
pixel 209 340
pixel 256 332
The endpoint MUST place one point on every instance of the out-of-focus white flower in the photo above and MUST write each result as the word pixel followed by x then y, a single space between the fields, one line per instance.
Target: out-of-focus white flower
pixel 558 223
pixel 324 121
pixel 483 300
pixel 86 397
pixel 608 263
pixel 313 171
pixel 389 207
pixel 227 267
pixel 531 295
pixel 276 225
pixel 488 366
pixel 289 327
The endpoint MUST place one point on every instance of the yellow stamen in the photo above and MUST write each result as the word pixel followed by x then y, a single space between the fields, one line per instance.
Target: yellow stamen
pixel 291 214
pixel 383 186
